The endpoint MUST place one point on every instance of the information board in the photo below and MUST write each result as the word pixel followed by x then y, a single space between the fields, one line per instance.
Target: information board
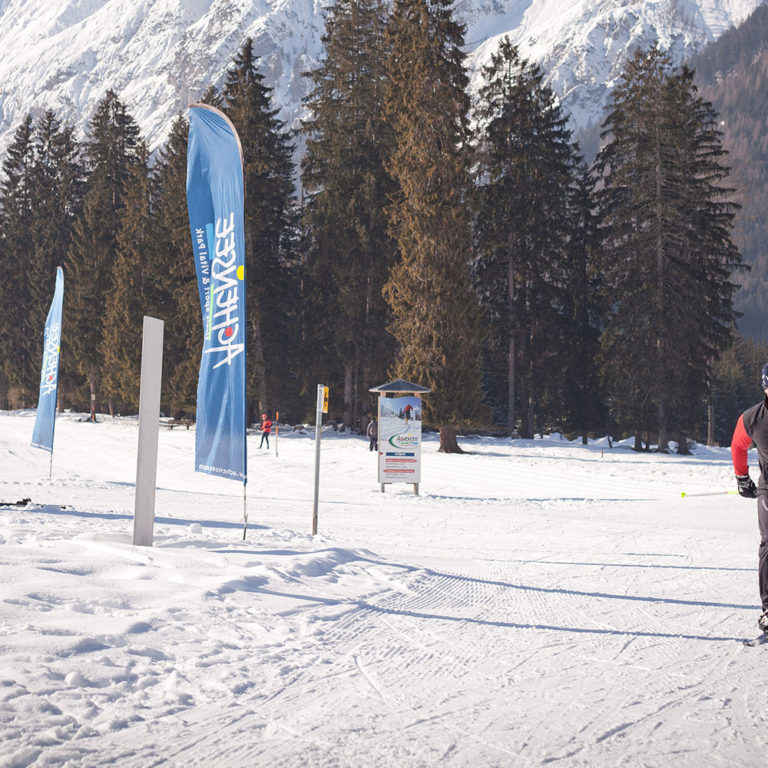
pixel 400 439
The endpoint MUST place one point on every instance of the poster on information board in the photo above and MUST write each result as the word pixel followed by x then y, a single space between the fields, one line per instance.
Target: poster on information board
pixel 400 439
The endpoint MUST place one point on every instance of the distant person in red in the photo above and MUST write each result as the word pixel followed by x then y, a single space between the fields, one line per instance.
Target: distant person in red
pixel 407 412
pixel 266 428
pixel 753 426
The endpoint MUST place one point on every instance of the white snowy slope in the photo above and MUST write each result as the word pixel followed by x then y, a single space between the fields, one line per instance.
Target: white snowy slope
pixel 540 601
pixel 161 54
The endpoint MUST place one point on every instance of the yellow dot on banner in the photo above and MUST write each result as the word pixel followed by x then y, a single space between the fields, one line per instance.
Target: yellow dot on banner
pixel 240 272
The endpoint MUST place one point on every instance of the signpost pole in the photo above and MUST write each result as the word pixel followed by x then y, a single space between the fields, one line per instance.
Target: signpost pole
pixel 322 407
pixel 149 414
pixel 277 430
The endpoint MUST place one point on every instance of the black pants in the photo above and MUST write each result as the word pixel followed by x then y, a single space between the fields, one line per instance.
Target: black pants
pixel 762 571
pixel 374 444
pixel 264 436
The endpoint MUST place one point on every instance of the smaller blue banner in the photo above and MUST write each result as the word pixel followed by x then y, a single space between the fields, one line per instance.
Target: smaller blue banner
pixel 45 421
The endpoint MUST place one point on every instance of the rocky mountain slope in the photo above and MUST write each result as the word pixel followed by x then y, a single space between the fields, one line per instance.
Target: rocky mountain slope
pixel 161 54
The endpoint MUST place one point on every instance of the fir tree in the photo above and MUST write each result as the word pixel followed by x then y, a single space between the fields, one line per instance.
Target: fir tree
pixel 270 227
pixel 735 384
pixel 39 199
pixel 58 184
pixel 525 164
pixel 668 255
pixel 436 316
pixel 18 334
pixel 349 250
pixel 213 97
pixel 111 155
pixel 178 299
pixel 576 386
pixel 132 293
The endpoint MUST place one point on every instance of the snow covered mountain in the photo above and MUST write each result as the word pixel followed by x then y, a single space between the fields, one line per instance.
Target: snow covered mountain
pixel 159 55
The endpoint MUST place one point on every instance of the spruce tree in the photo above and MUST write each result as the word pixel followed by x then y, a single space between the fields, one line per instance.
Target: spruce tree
pixel 525 169
pixel 668 254
pixel 436 316
pixel 111 153
pixel 39 199
pixel 18 334
pixel 735 384
pixel 212 96
pixel 133 290
pixel 178 300
pixel 58 184
pixel 349 250
pixel 270 228
pixel 575 390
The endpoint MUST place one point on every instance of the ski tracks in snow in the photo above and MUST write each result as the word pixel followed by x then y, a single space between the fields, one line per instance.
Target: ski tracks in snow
pixel 521 612
pixel 335 658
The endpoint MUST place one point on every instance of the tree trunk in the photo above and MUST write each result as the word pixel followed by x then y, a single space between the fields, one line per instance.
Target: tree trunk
pixel 531 420
pixel 663 446
pixel 257 364
pixel 511 418
pixel 448 442
pixel 661 298
pixel 710 406
pixel 356 395
pixel 525 431
pixel 347 395
pixel 92 382
pixel 512 349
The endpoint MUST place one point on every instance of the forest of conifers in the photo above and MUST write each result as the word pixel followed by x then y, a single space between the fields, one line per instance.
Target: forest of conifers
pixel 457 241
pixel 732 73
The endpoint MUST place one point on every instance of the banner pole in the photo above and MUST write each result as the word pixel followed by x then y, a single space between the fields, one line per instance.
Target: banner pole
pixel 245 511
pixel 50 468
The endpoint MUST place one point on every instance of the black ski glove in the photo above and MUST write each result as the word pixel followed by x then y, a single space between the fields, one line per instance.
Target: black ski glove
pixel 746 487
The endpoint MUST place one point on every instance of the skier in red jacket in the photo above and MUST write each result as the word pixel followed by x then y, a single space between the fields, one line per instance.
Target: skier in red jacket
pixel 266 428
pixel 753 426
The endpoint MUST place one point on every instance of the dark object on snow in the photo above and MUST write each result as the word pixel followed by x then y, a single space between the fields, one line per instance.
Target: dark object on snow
pixel 20 503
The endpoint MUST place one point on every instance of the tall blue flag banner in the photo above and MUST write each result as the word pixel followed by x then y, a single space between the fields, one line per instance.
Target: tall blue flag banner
pixel 42 435
pixel 215 204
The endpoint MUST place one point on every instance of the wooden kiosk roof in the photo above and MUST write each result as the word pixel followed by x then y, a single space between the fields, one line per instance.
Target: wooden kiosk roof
pixel 401 386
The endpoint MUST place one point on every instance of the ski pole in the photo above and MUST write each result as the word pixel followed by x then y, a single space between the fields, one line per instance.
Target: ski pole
pixel 707 493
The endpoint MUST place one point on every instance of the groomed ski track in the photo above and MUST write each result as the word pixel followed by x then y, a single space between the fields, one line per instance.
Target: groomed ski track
pixel 538 603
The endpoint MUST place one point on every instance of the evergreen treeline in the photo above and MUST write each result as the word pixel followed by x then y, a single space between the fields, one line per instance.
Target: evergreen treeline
pixel 459 243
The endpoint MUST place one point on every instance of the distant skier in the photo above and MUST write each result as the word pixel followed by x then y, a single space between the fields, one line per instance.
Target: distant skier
pixel 407 411
pixel 753 425
pixel 373 435
pixel 266 428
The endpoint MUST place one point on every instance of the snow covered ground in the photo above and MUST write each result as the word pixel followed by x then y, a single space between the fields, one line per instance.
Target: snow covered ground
pixel 539 602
